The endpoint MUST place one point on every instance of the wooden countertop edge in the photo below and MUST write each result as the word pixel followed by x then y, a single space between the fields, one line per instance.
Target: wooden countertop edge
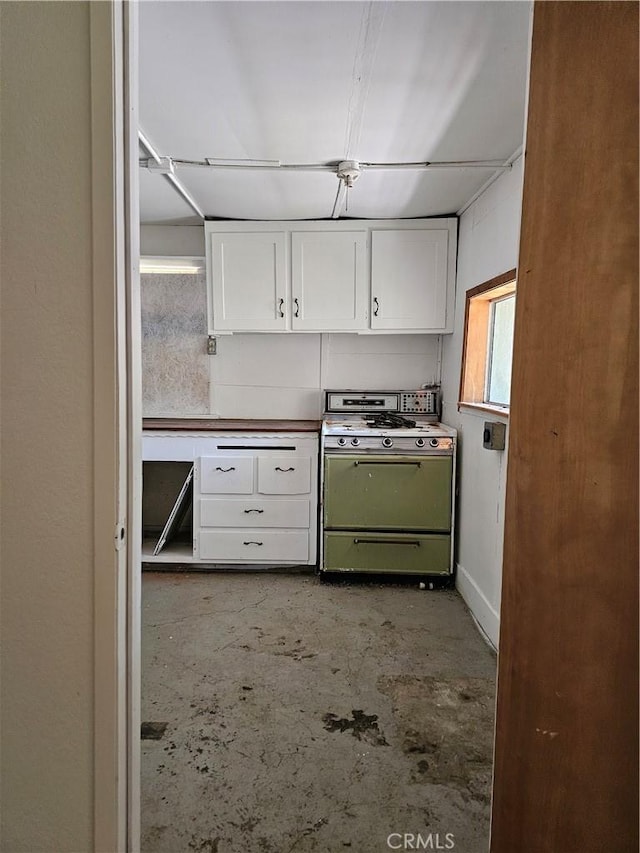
pixel 222 425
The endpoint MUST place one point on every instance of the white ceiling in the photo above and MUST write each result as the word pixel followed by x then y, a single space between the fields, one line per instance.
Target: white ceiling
pixel 319 82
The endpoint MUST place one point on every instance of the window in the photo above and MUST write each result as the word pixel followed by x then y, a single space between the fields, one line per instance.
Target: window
pixel 488 344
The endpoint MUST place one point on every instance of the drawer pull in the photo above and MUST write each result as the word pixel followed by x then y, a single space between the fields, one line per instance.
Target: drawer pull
pixel 225 470
pixel 388 462
pixel 255 447
pixel 415 542
pixel 252 543
pixel 254 510
pixel 285 470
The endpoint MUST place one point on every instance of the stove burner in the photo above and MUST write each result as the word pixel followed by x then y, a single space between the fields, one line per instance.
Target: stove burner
pixel 389 421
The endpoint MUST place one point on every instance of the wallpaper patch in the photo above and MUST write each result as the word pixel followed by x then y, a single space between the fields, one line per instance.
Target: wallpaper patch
pixel 175 368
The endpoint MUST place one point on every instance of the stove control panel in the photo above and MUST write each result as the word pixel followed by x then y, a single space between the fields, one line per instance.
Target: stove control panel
pixel 423 402
pixel 419 402
pixel 386 444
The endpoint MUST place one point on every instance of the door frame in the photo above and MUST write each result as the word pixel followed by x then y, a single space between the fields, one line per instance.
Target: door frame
pixel 117 453
pixel 117 424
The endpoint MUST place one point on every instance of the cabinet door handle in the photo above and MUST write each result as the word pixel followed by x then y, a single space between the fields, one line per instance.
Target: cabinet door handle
pixel 254 510
pixel 415 542
pixel 285 470
pixel 377 306
pixel 280 307
pixel 388 462
pixel 297 311
pixel 225 470
pixel 252 543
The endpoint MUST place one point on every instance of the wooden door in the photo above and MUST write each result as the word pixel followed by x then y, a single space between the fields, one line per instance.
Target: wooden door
pixel 329 280
pixel 566 764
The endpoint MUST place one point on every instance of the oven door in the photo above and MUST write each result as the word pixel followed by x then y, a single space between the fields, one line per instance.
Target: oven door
pixel 387 492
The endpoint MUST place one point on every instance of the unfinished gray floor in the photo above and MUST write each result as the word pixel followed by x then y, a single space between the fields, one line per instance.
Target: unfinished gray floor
pixel 303 716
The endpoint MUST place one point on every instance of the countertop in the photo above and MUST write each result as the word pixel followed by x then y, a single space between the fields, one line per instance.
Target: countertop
pixel 223 425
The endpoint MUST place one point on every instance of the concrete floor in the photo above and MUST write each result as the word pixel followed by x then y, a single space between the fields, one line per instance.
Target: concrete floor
pixel 305 716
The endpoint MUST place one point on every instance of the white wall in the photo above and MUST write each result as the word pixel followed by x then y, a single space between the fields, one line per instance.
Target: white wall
pixel 282 376
pixel 166 240
pixel 55 367
pixel 487 246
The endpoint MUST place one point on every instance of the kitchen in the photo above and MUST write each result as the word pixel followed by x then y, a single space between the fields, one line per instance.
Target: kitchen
pixel 310 302
pixel 566 739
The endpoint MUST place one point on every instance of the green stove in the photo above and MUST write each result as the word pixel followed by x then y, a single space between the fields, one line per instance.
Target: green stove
pixel 387 484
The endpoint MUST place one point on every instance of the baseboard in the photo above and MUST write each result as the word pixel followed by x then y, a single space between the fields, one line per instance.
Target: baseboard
pixel 485 615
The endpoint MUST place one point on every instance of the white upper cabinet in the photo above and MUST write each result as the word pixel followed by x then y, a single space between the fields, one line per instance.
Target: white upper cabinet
pixel 329 280
pixel 248 281
pixel 409 279
pixel 365 276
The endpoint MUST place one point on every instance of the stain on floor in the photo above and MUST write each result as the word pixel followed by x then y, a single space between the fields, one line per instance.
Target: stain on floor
pixel 278 691
pixel 448 727
pixel 362 726
pixel 152 731
pixel 204 845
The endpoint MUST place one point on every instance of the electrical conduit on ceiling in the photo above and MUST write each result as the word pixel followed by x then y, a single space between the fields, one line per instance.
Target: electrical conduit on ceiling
pixel 164 165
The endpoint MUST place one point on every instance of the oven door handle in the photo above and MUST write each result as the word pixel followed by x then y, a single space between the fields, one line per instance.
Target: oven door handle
pixel 415 542
pixel 388 462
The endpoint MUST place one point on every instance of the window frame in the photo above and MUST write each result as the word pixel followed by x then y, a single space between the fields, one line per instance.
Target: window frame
pixel 477 335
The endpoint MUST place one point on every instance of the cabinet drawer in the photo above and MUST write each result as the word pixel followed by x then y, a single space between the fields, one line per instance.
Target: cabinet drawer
pixel 229 475
pixel 355 551
pixel 286 476
pixel 253 545
pixel 230 512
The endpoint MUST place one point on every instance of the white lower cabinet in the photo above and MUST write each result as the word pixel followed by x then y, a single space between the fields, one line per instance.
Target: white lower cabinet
pixel 265 505
pixel 255 546
pixel 229 475
pixel 288 476
pixel 231 512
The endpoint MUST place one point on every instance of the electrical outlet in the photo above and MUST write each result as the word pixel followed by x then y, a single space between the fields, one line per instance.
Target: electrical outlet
pixel 493 435
pixel 212 345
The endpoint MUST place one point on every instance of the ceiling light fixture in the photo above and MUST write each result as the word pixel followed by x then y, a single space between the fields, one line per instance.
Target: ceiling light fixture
pixel 348 172
pixel 166 265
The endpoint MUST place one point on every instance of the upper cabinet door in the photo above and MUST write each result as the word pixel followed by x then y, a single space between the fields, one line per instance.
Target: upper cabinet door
pixel 409 275
pixel 329 279
pixel 247 281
